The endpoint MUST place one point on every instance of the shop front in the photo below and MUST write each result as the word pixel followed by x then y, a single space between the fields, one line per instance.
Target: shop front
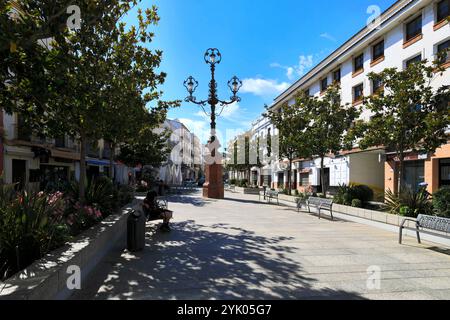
pixel 421 169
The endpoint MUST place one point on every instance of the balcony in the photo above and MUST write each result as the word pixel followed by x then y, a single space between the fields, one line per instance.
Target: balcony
pixel 60 142
pixel 22 132
pixel 106 151
pixel 92 150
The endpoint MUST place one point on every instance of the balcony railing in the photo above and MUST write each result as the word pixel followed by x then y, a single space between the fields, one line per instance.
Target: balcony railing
pixel 22 132
pixel 106 152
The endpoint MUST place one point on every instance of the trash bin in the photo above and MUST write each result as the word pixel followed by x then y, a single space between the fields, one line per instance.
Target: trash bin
pixel 136 231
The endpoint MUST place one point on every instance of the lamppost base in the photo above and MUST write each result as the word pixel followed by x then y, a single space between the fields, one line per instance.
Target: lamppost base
pixel 213 187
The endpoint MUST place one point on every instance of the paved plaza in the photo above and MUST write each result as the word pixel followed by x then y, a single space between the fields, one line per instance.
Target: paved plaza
pixel 239 248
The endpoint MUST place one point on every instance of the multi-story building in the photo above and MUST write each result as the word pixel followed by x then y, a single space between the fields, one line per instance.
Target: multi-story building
pixel 38 162
pixel 186 156
pixel 408 31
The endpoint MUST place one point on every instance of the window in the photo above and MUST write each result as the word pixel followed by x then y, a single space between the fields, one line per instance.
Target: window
pixel 414 174
pixel 377 85
pixel 442 10
pixel 358 63
pixel 444 47
pixel 281 180
pixel 444 172
pixel 378 51
pixel 414 28
pixel 306 93
pixel 337 76
pixel 323 84
pixel 358 93
pixel 416 59
pixel 304 179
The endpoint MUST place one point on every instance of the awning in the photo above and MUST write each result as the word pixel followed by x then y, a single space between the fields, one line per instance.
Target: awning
pixel 65 155
pixel 96 162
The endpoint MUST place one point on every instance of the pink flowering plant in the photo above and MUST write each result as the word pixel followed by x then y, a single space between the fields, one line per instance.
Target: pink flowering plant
pixel 82 217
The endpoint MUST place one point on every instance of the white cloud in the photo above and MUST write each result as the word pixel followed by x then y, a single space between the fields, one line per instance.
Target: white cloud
pixel 263 87
pixel 328 37
pixel 304 63
pixel 198 127
pixel 232 112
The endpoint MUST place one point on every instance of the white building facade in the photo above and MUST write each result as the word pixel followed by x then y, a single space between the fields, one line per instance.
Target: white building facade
pixel 407 31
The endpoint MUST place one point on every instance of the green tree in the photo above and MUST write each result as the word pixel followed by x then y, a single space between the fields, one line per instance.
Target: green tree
pixel 290 123
pixel 328 127
pixel 70 88
pixel 147 148
pixel 409 114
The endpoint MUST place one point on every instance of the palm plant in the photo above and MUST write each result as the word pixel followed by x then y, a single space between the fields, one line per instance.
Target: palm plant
pixel 409 202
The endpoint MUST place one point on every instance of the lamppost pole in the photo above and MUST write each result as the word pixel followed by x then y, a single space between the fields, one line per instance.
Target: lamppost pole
pixel 213 187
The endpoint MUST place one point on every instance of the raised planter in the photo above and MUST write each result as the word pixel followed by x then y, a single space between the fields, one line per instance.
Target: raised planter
pixel 247 190
pixel 47 278
pixel 378 216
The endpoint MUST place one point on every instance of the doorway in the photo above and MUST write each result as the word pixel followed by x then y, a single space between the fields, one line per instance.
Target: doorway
pixel 444 172
pixel 19 173
pixel 326 180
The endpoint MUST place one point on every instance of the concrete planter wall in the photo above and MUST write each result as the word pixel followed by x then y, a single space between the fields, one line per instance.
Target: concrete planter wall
pixel 247 190
pixel 378 216
pixel 287 198
pixel 47 277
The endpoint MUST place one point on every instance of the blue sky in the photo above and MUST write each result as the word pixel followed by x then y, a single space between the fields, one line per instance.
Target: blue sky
pixel 268 44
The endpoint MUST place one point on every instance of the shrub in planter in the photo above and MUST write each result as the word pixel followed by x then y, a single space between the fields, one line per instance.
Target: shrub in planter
pixel 124 195
pixel 83 217
pixel 356 203
pixel 441 202
pixel 362 192
pixel 346 194
pixel 243 183
pixel 417 202
pixel 142 188
pixel 99 193
pixel 233 182
pixel 31 225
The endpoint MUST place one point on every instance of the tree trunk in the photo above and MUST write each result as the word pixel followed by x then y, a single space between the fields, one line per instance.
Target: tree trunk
pixel 322 175
pixel 290 177
pixel 401 173
pixel 82 181
pixel 111 160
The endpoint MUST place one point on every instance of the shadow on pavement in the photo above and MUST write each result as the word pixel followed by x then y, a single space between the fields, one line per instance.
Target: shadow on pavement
pixel 188 199
pixel 206 262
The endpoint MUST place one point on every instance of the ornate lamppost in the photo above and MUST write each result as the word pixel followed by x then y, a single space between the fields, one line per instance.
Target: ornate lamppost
pixel 213 187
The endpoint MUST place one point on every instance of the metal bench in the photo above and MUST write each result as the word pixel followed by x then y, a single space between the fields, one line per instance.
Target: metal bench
pixel 230 187
pixel 426 222
pixel 319 203
pixel 272 194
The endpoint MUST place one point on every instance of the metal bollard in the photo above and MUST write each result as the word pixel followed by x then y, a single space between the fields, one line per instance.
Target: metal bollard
pixel 136 231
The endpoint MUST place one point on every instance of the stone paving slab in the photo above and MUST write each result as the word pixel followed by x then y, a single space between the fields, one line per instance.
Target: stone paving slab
pixel 238 248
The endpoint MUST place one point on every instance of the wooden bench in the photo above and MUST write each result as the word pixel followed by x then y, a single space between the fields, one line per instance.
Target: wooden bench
pixel 426 224
pixel 318 203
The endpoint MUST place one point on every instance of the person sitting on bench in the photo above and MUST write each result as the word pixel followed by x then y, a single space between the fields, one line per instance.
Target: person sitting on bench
pixel 154 212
